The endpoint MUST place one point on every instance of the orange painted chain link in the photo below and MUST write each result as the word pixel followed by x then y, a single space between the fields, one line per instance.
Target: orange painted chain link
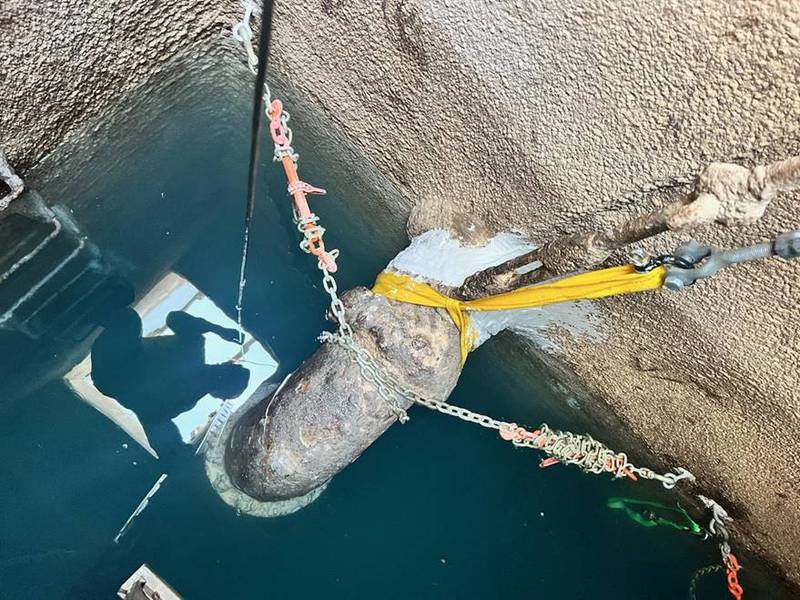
pixel 732 569
pixel 515 433
pixel 298 189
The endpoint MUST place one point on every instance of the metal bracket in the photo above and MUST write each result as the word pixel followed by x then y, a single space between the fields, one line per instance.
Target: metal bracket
pixel 707 260
pixel 787 245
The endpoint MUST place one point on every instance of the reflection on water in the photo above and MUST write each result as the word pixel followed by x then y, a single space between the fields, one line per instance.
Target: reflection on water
pixel 171 360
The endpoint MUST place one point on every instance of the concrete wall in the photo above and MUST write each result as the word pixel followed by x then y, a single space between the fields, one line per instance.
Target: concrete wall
pixel 62 61
pixel 545 117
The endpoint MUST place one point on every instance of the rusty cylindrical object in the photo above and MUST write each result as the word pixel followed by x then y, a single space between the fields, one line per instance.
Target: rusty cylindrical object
pixel 327 413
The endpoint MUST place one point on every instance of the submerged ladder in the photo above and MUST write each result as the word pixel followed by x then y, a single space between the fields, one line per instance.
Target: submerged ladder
pixel 52 261
pixel 216 425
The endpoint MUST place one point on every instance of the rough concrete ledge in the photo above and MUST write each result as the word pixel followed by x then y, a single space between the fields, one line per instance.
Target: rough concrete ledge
pixel 63 61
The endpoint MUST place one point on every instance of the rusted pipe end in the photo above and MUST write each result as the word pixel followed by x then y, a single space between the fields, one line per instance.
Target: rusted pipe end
pixel 221 481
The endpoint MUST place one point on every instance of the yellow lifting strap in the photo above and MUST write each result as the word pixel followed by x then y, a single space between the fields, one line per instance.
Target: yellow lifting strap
pixel 585 286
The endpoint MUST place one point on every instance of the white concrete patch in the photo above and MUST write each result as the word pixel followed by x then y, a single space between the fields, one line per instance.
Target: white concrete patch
pixel 435 256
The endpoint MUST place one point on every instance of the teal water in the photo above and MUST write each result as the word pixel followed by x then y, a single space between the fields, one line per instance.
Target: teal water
pixel 434 509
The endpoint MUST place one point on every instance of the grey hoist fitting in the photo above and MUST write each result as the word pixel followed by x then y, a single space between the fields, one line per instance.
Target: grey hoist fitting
pixel 708 260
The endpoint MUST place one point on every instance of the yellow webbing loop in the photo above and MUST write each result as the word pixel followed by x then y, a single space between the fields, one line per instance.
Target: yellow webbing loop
pixel 585 286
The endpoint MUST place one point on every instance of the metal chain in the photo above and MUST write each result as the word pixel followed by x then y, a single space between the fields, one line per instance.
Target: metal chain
pixel 392 390
pixel 698 575
pixel 337 307
pixel 243 33
pixel 588 454
pixel 285 150
pixel 583 451
pixel 645 263
pixel 569 448
pixel 719 516
pixel 310 234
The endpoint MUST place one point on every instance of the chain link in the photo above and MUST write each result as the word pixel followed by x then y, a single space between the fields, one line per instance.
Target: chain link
pixel 311 232
pixel 717 526
pixel 645 263
pixel 243 33
pixel 719 516
pixel 582 451
pixel 337 307
pixel 285 150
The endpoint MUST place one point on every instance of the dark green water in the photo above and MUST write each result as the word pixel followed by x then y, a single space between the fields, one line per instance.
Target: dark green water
pixel 434 509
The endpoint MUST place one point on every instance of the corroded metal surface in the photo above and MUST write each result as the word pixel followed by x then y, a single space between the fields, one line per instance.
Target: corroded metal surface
pixel 327 414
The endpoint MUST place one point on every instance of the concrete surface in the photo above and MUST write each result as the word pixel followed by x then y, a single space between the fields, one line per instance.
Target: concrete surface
pixel 63 61
pixel 546 117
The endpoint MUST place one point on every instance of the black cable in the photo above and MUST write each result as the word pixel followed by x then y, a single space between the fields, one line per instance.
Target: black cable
pixel 255 144
pixel 258 104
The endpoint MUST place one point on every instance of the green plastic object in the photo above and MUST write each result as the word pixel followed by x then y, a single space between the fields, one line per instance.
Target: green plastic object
pixel 653 514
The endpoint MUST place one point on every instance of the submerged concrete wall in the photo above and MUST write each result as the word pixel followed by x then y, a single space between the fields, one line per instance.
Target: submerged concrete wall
pixel 545 117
